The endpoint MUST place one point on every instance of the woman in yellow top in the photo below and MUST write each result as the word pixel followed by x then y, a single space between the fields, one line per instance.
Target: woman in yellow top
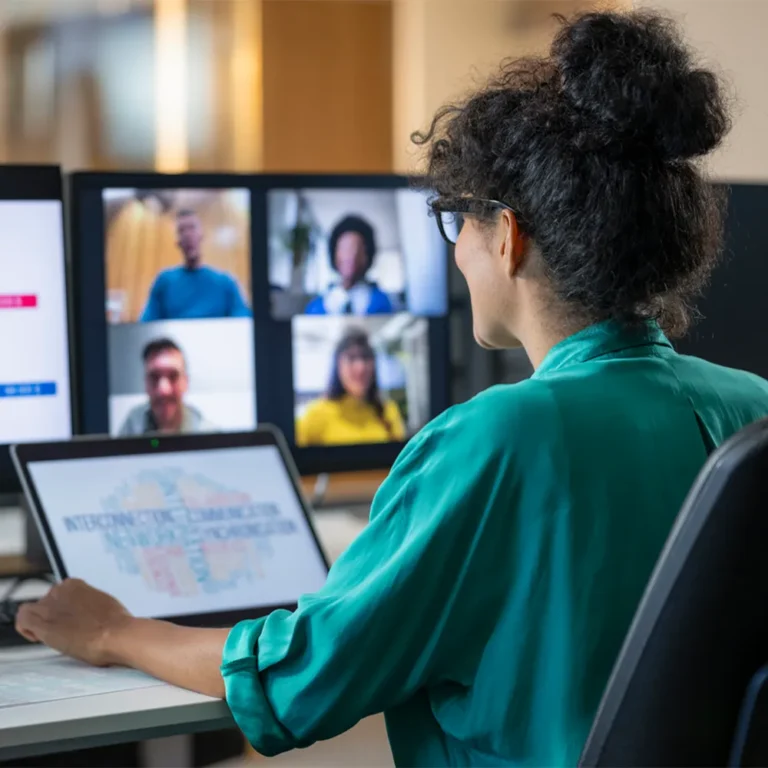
pixel 352 412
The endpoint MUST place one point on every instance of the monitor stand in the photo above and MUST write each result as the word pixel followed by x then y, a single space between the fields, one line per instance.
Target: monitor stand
pixel 320 489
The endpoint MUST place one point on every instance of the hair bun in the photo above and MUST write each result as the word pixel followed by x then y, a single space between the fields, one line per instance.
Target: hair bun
pixel 636 84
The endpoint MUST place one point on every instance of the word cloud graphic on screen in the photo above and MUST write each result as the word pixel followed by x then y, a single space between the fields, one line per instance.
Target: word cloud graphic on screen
pixel 178 304
pixel 171 534
pixel 35 399
pixel 360 272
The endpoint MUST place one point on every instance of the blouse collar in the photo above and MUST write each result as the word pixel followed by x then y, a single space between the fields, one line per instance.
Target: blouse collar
pixel 600 340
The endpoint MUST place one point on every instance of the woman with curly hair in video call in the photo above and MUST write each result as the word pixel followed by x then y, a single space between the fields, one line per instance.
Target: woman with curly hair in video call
pixel 483 607
pixel 351 249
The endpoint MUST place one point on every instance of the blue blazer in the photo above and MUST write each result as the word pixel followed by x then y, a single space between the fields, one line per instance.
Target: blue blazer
pixel 378 305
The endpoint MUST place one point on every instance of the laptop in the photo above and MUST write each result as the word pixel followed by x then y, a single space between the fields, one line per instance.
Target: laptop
pixel 201 530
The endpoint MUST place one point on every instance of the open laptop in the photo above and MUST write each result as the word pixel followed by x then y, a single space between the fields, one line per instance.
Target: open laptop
pixel 202 530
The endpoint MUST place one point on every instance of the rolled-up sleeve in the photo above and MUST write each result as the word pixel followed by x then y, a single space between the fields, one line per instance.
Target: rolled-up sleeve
pixel 391 617
pixel 245 695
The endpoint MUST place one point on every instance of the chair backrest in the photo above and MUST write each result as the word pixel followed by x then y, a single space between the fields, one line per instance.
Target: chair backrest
pixel 750 747
pixel 701 631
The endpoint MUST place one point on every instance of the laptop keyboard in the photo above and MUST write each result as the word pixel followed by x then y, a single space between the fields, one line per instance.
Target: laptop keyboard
pixel 9 637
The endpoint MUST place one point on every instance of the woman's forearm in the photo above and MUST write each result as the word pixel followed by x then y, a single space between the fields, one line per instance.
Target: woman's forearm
pixel 183 656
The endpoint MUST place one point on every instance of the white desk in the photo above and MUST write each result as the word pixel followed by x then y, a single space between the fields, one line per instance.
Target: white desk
pixel 110 718
pixel 128 716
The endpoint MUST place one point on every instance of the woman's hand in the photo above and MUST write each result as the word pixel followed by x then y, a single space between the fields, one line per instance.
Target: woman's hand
pixel 87 624
pixel 76 620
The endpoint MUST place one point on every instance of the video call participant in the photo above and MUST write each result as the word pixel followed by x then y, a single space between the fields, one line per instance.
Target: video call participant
pixel 351 248
pixel 352 412
pixel 193 290
pixel 166 381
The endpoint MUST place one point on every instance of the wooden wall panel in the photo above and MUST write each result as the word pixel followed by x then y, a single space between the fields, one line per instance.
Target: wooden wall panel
pixel 327 85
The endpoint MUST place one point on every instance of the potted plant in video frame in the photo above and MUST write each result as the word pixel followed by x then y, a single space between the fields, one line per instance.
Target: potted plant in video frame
pixel 300 241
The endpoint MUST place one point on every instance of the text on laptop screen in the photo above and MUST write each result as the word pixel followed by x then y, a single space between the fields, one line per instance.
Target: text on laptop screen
pixel 174 534
pixel 35 399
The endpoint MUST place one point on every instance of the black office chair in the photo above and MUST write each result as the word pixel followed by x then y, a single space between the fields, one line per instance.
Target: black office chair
pixel 687 689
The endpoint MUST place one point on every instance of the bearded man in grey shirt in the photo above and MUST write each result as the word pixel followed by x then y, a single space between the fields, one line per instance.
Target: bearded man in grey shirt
pixel 166 381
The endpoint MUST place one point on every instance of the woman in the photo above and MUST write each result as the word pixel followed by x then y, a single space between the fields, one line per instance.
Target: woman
pixel 484 605
pixel 352 412
pixel 351 247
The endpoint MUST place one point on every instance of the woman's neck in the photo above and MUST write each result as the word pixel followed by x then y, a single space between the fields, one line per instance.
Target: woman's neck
pixel 538 345
pixel 354 399
pixel 544 328
pixel 349 283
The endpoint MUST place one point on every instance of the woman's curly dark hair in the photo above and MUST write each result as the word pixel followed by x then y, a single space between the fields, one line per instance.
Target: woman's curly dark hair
pixel 359 226
pixel 594 147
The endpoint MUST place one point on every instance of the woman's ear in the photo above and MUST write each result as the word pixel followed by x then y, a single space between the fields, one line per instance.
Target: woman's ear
pixel 513 245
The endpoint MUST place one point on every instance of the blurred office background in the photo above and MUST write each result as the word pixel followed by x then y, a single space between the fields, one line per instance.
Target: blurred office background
pixel 248 85
pixel 305 85
pixel 309 85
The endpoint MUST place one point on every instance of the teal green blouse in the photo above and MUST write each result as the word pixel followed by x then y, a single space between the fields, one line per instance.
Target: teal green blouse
pixel 483 607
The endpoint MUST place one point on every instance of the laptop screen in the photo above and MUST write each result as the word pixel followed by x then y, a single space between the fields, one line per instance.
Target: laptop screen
pixel 182 533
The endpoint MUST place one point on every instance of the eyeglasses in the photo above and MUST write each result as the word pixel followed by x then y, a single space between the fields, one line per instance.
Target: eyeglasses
pixel 450 213
pixel 361 356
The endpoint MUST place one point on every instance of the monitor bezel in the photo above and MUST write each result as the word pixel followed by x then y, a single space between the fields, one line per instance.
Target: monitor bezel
pixel 91 325
pixel 29 183
pixel 88 447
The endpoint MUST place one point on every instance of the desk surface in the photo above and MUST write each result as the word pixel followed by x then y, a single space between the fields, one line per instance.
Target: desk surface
pixel 108 718
pixel 137 715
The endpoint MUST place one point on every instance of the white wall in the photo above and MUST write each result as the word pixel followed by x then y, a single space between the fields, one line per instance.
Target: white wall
pixel 442 48
pixel 731 36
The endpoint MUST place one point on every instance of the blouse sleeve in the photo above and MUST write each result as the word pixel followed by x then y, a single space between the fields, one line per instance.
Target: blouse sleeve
pixel 392 615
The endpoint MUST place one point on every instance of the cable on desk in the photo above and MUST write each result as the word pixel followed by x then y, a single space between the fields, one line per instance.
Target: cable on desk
pixel 16 583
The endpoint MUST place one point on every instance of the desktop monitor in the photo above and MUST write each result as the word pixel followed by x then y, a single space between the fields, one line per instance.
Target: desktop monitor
pixel 164 315
pixel 213 302
pixel 35 388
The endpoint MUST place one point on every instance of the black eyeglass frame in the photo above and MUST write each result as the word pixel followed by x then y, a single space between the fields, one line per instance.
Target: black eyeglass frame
pixel 465 206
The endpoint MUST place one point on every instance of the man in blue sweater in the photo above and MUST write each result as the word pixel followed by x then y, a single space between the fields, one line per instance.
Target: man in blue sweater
pixel 193 291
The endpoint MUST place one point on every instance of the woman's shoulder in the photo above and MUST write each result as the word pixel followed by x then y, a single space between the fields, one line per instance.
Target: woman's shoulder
pixel 507 400
pixel 391 408
pixel 380 302
pixel 321 408
pixel 315 307
pixel 708 383
pixel 493 418
pixel 481 438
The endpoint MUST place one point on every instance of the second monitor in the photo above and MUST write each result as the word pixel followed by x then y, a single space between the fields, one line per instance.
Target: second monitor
pixel 212 302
